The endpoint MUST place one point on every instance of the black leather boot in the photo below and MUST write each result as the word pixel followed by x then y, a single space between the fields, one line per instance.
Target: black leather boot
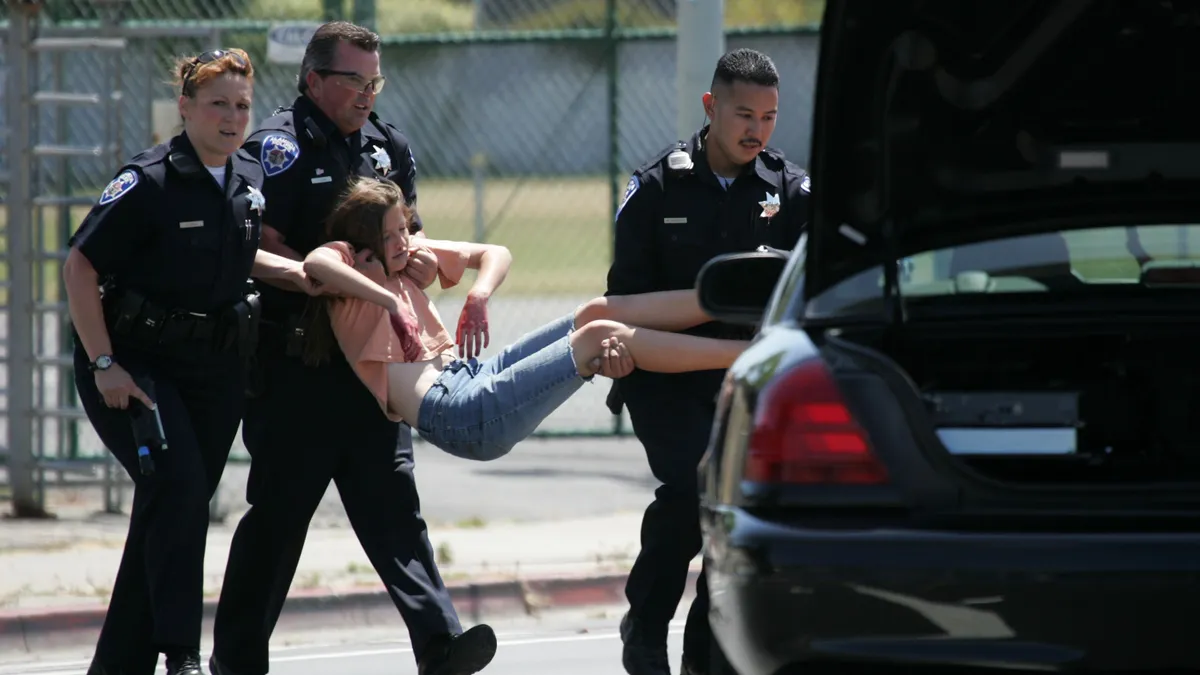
pixel 642 654
pixel 464 654
pixel 184 662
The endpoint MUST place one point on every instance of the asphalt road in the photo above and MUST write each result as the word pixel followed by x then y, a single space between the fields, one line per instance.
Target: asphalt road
pixel 572 643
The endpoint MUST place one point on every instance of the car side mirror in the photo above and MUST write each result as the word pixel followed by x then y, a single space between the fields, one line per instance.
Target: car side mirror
pixel 736 287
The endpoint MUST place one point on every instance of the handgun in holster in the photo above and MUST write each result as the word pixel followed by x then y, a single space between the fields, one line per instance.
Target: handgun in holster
pixel 126 309
pixel 149 437
pixel 293 335
pixel 242 321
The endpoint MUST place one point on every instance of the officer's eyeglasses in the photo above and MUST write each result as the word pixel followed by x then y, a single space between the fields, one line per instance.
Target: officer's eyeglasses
pixel 352 80
pixel 209 57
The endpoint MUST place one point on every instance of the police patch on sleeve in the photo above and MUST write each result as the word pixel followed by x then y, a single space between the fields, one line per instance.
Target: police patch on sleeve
pixel 632 187
pixel 806 184
pixel 123 183
pixel 279 152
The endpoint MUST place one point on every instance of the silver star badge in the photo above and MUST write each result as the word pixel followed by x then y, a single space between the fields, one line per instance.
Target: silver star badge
pixel 382 161
pixel 770 206
pixel 257 200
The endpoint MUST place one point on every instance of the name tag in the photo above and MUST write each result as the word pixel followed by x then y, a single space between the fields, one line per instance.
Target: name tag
pixel 675 221
pixel 188 224
pixel 322 179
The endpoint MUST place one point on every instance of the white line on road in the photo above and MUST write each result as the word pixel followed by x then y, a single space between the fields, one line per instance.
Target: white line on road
pixel 74 667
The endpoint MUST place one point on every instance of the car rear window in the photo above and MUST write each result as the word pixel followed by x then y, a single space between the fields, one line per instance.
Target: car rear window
pixel 1041 263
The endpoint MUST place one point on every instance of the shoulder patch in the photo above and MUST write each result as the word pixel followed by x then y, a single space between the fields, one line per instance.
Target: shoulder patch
pixel 122 184
pixel 632 187
pixel 279 152
pixel 806 184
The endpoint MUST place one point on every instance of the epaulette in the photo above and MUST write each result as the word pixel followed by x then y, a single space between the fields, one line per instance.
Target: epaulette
pixel 150 156
pixel 657 159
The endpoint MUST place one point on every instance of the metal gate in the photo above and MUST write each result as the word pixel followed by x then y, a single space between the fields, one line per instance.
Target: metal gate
pixel 41 410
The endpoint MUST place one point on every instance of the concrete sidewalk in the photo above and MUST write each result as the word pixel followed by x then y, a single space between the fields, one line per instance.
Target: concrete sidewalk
pixel 53 591
pixel 41 568
pixel 555 524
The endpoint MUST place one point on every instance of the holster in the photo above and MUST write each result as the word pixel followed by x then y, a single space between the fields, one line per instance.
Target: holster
pixel 240 322
pixel 293 335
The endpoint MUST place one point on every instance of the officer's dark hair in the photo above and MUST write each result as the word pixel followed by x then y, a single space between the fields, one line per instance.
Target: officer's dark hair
pixel 356 219
pixel 322 48
pixel 193 72
pixel 746 65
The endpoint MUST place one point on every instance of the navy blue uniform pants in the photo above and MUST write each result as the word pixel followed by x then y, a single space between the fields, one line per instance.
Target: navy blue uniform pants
pixel 311 426
pixel 672 417
pixel 157 598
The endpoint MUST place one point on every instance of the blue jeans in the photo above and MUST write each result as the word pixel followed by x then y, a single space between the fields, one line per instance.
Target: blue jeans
pixel 480 410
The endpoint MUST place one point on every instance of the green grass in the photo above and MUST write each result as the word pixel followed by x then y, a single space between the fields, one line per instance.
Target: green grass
pixel 559 233
pixel 446 16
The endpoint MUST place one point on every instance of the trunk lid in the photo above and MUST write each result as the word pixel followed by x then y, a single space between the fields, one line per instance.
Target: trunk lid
pixel 939 123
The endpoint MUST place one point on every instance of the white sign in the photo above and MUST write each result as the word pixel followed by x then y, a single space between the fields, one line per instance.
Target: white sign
pixel 164 120
pixel 286 41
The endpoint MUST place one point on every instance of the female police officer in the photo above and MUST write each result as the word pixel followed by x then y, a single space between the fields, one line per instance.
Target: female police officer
pixel 156 281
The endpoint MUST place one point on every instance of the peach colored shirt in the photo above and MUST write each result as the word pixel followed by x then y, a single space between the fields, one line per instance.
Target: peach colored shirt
pixel 364 332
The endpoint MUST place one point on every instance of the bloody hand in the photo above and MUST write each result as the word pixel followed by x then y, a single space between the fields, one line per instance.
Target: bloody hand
pixel 473 333
pixel 409 333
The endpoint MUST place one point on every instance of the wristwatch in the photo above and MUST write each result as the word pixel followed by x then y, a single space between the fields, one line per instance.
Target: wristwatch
pixel 102 362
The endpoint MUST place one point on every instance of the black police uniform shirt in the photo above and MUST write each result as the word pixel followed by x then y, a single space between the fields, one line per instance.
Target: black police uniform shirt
pixel 164 228
pixel 307 163
pixel 672 221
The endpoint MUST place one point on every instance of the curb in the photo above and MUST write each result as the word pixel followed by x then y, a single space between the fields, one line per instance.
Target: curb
pixel 34 630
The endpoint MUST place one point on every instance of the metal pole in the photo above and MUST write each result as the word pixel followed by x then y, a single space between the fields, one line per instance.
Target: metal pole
pixel 478 164
pixel 699 44
pixel 20 300
pixel 332 9
pixel 614 74
pixel 614 136
pixel 364 13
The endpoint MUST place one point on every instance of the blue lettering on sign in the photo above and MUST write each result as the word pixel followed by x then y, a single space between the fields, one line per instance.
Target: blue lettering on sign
pixel 293 35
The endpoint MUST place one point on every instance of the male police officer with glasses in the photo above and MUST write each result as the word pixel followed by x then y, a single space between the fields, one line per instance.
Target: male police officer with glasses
pixel 308 425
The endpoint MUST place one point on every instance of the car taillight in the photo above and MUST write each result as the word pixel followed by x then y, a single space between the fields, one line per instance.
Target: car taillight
pixel 804 434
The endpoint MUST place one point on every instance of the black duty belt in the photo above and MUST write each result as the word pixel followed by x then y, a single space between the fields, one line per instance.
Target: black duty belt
pixel 132 316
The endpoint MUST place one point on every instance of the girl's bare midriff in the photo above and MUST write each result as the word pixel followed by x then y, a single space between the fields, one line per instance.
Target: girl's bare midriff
pixel 409 382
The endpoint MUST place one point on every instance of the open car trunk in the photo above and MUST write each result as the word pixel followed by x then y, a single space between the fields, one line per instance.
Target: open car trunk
pixel 1105 405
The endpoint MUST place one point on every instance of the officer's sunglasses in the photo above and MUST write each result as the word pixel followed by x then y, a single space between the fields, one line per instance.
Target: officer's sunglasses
pixel 352 80
pixel 209 57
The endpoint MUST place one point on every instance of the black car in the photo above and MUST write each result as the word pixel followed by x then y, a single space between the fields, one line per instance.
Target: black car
pixel 968 431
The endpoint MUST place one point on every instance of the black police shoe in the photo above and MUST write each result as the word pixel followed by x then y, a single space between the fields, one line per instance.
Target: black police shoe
pixel 464 654
pixel 215 667
pixel 184 663
pixel 639 655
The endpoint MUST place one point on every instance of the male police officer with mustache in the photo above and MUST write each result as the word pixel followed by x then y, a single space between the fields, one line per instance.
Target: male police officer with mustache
pixel 724 191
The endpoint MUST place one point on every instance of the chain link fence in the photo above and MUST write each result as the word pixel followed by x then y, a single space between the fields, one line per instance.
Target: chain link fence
pixel 408 17
pixel 526 118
